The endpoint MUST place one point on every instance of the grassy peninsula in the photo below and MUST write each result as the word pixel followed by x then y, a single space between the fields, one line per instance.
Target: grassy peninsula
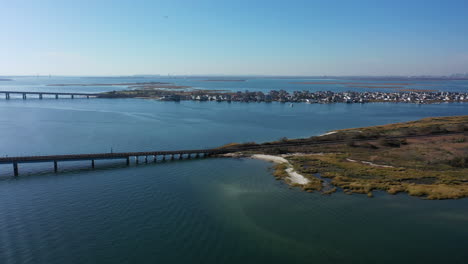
pixel 426 158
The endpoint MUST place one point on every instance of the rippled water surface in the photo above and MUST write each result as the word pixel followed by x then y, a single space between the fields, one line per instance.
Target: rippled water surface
pixel 216 211
pixel 207 210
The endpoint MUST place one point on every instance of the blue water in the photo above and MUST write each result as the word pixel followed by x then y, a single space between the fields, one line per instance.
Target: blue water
pixel 41 127
pixel 202 211
pixel 250 83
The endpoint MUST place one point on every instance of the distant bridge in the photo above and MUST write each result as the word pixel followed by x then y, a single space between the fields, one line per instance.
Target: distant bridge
pixel 40 95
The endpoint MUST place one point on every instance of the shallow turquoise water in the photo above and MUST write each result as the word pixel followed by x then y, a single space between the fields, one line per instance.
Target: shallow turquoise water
pixel 203 211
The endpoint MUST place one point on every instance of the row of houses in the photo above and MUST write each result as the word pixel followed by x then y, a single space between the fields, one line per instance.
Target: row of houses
pixel 331 97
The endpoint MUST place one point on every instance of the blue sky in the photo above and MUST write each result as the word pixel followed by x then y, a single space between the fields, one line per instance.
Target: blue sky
pixel 314 37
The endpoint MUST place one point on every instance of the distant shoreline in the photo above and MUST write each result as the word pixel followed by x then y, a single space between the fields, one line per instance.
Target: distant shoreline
pixel 108 84
pixel 354 83
pixel 222 80
pixel 326 97
pixel 137 85
pixel 373 85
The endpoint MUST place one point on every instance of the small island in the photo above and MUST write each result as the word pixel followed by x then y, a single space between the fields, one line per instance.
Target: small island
pixel 426 158
pixel 220 80
pixel 136 85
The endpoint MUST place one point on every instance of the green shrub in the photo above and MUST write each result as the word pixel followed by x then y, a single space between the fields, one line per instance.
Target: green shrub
pixel 350 142
pixel 276 151
pixel 459 162
pixel 391 142
pixel 368 145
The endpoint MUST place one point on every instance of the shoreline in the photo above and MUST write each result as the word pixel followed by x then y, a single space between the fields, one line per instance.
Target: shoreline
pixel 294 178
pixel 426 158
pixel 319 97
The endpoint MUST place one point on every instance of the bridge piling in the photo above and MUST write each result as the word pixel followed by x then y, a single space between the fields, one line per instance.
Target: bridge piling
pixel 56 96
pixel 24 96
pixel 92 164
pixel 55 166
pixel 146 159
pixel 128 161
pixel 15 168
pixel 40 96
pixel 7 96
pixel 136 160
pixel 72 96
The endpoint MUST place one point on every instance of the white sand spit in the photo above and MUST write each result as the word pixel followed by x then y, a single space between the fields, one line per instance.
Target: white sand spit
pixel 271 158
pixel 294 177
pixel 328 133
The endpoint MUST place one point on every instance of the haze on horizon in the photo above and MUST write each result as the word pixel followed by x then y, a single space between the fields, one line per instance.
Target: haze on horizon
pixel 320 37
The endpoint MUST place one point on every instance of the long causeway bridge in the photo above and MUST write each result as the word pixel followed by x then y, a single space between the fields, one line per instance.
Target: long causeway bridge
pixel 41 95
pixel 137 157
pixel 151 156
pixel 145 157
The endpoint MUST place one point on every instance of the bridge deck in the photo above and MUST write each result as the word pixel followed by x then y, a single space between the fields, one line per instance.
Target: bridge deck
pixel 49 93
pixel 126 155
pixel 100 156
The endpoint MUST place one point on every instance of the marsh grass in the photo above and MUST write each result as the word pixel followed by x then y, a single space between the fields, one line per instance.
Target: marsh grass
pixel 280 171
pixel 355 177
pixel 433 165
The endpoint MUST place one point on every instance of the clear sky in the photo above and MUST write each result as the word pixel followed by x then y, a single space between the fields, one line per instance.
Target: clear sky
pixel 314 37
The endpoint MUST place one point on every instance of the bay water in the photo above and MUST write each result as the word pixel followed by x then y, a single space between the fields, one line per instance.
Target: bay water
pixel 216 210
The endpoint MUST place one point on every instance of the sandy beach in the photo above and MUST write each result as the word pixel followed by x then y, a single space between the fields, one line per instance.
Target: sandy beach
pixel 294 177
pixel 328 133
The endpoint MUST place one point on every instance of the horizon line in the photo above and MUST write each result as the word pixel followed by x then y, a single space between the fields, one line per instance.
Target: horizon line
pixel 455 75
